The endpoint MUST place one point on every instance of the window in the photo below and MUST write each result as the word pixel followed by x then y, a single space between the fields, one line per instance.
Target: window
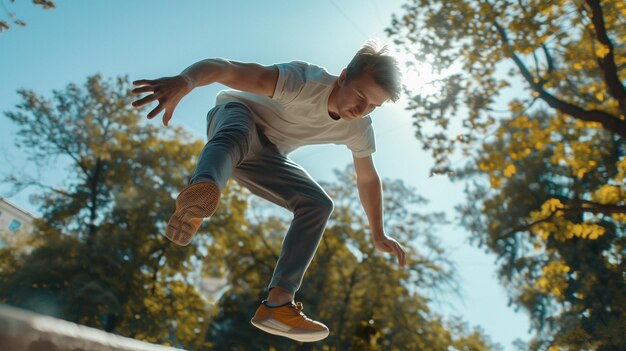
pixel 15 225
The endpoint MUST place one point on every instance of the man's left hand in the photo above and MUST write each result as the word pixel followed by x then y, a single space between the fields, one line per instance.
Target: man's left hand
pixel 386 243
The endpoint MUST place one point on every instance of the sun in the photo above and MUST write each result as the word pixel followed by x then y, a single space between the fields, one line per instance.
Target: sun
pixel 417 77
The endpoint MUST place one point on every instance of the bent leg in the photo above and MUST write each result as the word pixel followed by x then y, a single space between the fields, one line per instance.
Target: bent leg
pixel 276 178
pixel 231 132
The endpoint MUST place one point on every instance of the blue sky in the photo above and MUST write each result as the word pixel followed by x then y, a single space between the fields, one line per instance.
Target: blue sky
pixel 150 39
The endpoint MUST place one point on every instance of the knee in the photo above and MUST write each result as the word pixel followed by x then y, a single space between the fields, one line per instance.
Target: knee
pixel 239 112
pixel 237 129
pixel 241 130
pixel 326 205
pixel 233 120
pixel 320 204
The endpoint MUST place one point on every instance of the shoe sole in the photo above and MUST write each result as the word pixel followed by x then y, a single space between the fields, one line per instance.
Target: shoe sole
pixel 302 337
pixel 195 202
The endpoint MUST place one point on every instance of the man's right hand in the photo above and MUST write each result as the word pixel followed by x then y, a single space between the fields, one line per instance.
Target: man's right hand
pixel 168 91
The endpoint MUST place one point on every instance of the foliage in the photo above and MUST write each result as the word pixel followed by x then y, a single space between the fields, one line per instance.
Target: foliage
pixel 4 25
pixel 562 255
pixel 549 191
pixel 98 257
pixel 569 55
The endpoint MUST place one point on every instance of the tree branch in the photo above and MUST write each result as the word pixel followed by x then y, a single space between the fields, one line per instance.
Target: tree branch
pixel 525 227
pixel 607 63
pixel 585 206
pixel 608 121
pixel 93 197
pixel 549 59
pixel 23 182
pixel 594 207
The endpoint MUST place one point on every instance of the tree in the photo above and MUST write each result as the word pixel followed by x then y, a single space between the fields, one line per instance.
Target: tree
pixel 568 55
pixel 564 266
pixel 99 258
pixel 554 206
pixel 4 25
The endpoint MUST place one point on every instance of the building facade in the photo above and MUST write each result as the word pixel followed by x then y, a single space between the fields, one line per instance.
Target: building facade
pixel 13 219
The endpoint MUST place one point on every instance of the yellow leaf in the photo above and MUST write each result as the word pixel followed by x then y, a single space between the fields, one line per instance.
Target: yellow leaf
pixel 602 51
pixel 608 194
pixel 619 217
pixel 495 181
pixel 554 204
pixel 600 96
pixel 596 232
pixel 541 283
pixel 509 170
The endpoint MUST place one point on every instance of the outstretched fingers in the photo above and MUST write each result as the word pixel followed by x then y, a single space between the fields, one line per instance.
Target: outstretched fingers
pixel 167 116
pixel 145 100
pixel 143 82
pixel 167 91
pixel 156 110
pixel 143 89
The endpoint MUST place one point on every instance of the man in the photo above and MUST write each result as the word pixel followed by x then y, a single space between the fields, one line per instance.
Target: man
pixel 274 110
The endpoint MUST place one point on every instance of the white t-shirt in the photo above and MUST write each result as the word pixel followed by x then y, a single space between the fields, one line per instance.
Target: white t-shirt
pixel 297 113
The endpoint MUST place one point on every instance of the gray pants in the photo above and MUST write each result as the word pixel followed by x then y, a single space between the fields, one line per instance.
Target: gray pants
pixel 235 148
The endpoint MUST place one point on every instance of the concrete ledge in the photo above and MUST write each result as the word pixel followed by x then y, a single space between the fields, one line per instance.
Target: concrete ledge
pixel 22 330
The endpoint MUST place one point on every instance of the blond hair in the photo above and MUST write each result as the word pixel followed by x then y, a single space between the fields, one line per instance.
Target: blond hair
pixel 375 58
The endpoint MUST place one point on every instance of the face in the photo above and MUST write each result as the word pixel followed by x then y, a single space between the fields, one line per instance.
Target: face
pixel 359 97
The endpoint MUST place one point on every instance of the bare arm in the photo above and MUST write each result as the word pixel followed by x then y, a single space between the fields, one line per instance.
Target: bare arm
pixel 371 195
pixel 249 77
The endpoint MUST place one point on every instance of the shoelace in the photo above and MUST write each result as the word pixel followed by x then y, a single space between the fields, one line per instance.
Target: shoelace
pixel 298 307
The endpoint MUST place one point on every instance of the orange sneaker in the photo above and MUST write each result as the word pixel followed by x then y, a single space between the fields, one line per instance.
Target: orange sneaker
pixel 194 203
pixel 289 321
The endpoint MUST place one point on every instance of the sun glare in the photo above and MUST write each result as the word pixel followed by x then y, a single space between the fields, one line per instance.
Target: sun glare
pixel 419 77
pixel 416 76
